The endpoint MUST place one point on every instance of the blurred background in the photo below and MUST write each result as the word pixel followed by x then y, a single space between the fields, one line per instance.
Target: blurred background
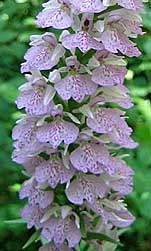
pixel 16 25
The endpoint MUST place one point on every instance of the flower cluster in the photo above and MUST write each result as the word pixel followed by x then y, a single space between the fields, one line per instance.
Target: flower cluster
pixel 74 125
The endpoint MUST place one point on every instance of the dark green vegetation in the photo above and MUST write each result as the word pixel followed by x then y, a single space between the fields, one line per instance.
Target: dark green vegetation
pixel 16 24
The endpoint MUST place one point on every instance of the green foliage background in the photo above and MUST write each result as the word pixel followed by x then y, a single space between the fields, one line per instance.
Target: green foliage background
pixel 16 24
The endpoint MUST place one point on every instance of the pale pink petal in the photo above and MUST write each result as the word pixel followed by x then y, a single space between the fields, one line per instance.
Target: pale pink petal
pixel 115 41
pixel 91 6
pixel 33 102
pixel 107 75
pixel 58 19
pixel 121 218
pixel 90 158
pixel 130 4
pixel 81 40
pixel 86 187
pixel 36 196
pixel 56 132
pixel 33 215
pixel 76 87
pixel 60 230
pixel 53 171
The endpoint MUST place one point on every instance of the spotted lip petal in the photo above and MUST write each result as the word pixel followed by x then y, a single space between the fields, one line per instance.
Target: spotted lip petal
pixel 108 75
pixel 54 172
pixel 36 196
pixel 60 230
pixel 91 6
pixel 33 102
pixel 58 19
pixel 56 132
pixel 81 40
pixel 24 134
pixel 39 57
pixel 131 4
pixel 115 40
pixel 33 215
pixel 90 158
pixel 76 87
pixel 86 187
pixel 109 121
pixel 44 53
pixel 103 120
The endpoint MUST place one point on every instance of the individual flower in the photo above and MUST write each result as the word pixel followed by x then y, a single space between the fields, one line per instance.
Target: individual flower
pixel 131 24
pixel 110 121
pixel 120 218
pixel 53 172
pixel 86 187
pixel 44 53
pixel 59 230
pixel 75 85
pixel 35 194
pixel 104 119
pixel 55 14
pixel 57 132
pixel 90 157
pixel 121 135
pixel 116 94
pixel 36 96
pixel 33 101
pixel 24 134
pixel 115 40
pixel 115 36
pixel 113 211
pixel 110 70
pixel 82 39
pixel 33 215
pixel 120 178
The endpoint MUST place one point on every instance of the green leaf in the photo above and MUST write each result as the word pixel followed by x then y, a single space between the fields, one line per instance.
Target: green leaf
pixel 84 59
pixel 34 237
pixel 82 227
pixel 102 237
pixel 17 221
